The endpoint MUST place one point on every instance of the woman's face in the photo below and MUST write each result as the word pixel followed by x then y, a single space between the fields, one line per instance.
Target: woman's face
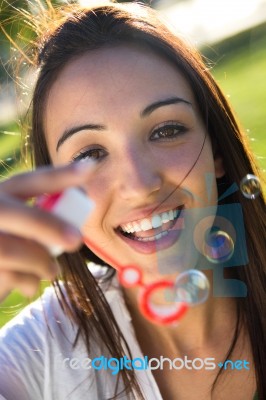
pixel 134 114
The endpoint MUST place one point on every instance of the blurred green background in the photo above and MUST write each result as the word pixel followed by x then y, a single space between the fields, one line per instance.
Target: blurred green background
pixel 238 64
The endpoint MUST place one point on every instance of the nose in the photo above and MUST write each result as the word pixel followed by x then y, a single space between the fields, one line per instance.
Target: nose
pixel 140 176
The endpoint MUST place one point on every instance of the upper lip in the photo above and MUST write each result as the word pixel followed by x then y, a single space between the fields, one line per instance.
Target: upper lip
pixel 147 213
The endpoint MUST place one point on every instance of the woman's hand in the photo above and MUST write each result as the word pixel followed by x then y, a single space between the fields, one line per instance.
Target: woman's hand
pixel 26 232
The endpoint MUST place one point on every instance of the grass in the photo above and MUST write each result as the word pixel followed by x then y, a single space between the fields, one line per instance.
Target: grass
pixel 15 302
pixel 242 76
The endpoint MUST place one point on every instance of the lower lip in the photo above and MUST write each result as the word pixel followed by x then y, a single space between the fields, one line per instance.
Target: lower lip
pixel 155 245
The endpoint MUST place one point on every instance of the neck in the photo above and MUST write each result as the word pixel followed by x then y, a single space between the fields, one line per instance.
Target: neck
pixel 202 329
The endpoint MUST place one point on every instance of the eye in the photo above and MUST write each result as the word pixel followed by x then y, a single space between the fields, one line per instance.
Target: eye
pixel 168 131
pixel 92 154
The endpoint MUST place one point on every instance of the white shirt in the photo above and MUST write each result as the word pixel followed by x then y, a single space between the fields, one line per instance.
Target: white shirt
pixel 36 355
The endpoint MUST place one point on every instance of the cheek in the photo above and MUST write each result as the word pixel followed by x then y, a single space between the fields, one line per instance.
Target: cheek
pixel 99 189
pixel 195 172
pixel 202 182
pixel 187 162
pixel 99 185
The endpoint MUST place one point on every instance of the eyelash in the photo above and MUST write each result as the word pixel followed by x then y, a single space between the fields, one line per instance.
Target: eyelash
pixel 180 129
pixel 82 155
pixel 177 128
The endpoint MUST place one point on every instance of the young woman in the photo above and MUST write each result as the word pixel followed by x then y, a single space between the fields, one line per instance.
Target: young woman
pixel 117 87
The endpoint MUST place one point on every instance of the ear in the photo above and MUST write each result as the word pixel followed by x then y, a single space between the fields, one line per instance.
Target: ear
pixel 219 166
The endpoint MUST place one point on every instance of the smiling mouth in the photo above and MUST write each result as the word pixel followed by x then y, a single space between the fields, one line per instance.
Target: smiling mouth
pixel 151 228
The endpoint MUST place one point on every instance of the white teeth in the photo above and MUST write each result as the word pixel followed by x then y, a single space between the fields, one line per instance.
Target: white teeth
pixel 156 221
pixel 130 228
pixel 165 217
pixel 145 224
pixel 150 223
pixel 152 238
pixel 136 227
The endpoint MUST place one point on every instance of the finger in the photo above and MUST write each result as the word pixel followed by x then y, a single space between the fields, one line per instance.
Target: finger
pixel 47 180
pixel 26 256
pixel 27 284
pixel 18 219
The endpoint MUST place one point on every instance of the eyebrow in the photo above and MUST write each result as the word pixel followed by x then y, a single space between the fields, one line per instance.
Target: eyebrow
pixel 70 132
pixel 144 113
pixel 161 103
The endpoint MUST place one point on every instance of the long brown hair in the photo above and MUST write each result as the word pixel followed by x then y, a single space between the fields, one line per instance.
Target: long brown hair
pixel 73 31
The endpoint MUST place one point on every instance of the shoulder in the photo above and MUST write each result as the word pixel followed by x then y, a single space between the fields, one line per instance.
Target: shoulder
pixel 46 317
pixel 35 319
pixel 24 343
pixel 36 349
pixel 39 360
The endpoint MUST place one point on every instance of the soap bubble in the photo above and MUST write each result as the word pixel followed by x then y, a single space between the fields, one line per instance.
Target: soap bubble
pixel 250 186
pixel 191 287
pixel 218 247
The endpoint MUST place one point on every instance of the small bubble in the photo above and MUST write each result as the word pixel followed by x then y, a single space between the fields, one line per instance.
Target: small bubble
pixel 250 186
pixel 218 247
pixel 192 287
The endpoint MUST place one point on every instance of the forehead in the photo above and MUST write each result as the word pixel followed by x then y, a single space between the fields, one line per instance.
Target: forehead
pixel 97 84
